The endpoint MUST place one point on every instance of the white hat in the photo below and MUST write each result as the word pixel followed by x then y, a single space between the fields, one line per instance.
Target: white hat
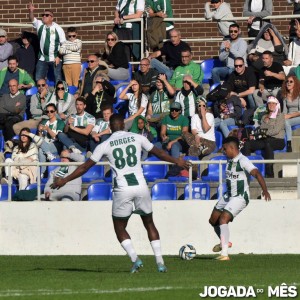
pixel 2 32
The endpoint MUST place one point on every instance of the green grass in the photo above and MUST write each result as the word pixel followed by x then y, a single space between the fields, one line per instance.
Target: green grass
pixel 108 277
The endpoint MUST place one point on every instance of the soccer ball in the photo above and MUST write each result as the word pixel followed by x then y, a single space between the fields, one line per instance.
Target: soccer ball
pixel 187 252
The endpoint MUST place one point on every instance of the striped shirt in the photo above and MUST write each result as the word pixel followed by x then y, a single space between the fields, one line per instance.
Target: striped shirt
pixel 71 52
pixel 101 125
pixel 51 38
pixel 83 120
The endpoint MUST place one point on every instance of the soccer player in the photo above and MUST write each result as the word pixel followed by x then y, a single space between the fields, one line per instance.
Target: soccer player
pixel 238 171
pixel 130 192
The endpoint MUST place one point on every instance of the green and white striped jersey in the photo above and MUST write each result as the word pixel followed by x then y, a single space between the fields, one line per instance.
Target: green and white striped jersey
pixel 50 39
pixel 83 120
pixel 238 175
pixel 123 150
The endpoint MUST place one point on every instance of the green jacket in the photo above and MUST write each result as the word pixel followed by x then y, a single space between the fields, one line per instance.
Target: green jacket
pixel 24 78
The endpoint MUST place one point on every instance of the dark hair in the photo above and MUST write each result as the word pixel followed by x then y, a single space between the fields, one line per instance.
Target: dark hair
pixel 240 58
pixel 22 148
pixel 268 53
pixel 12 57
pixel 107 106
pixel 139 96
pixel 234 25
pixel 52 105
pixel 71 29
pixel 232 140
pixel 81 99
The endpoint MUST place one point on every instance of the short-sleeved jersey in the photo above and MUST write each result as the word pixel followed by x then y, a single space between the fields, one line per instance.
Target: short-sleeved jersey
pixel 174 127
pixel 133 108
pixel 83 120
pixel 123 150
pixel 238 175
pixel 57 126
pixel 100 125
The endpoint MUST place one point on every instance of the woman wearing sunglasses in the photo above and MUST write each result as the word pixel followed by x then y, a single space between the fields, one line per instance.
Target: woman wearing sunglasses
pixel 114 56
pixel 291 106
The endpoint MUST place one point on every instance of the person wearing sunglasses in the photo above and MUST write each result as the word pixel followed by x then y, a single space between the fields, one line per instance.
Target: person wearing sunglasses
pixel 114 56
pixel 49 46
pixel 231 48
pixel 64 100
pixel 6 49
pixel 218 10
pixel 290 93
pixel 71 53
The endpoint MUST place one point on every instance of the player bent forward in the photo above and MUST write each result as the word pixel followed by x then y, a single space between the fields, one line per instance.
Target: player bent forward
pixel 237 196
pixel 123 150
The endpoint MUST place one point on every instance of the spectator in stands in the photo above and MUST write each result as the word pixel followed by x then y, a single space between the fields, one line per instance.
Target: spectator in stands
pixel 187 97
pixel 71 53
pixel 101 95
pixel 242 83
pixel 101 131
pixel 159 101
pixel 296 11
pixel 12 108
pixel 26 54
pixel 95 68
pixel 6 49
pixel 46 139
pixel 229 50
pixel 173 127
pixel 78 128
pixel 293 60
pixel 268 39
pixel 202 140
pixel 158 28
pixel 146 76
pixel 51 37
pixel 218 10
pixel 273 121
pixel 227 112
pixel 25 152
pixel 256 11
pixel 13 72
pixel 138 101
pixel 127 10
pixel 115 58
pixel 271 78
pixel 64 100
pixel 72 190
pixel 38 103
pixel 290 93
pixel 187 67
pixel 172 51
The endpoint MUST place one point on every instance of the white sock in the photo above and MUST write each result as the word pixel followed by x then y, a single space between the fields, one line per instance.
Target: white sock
pixel 156 247
pixel 128 247
pixel 224 239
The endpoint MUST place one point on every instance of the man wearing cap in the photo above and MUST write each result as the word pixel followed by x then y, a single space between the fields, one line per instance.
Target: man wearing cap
pixel 51 37
pixel 218 10
pixel 6 49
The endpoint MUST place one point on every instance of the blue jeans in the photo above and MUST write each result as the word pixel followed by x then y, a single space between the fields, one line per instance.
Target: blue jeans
pixel 220 72
pixel 175 149
pixel 68 142
pixel 223 125
pixel 288 126
pixel 94 144
pixel 42 68
pixel 161 68
pixel 44 148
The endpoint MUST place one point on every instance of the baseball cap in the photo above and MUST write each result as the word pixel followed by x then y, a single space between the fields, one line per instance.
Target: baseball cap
pixel 175 105
pixel 2 32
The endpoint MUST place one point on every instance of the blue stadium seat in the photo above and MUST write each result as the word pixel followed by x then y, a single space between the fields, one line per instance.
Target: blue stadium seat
pixel 213 86
pixel 31 91
pixel 295 127
pixel 96 172
pixel 207 65
pixel 116 82
pixel 72 89
pixel 84 65
pixel 219 141
pixel 213 169
pixel 121 105
pixel 260 167
pixel 154 172
pixel 184 178
pixel 50 169
pixel 34 186
pixel 1 141
pixel 164 191
pixel 4 191
pixel 200 191
pixel 99 191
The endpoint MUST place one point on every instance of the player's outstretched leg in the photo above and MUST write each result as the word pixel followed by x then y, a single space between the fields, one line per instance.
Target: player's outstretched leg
pixel 153 236
pixel 224 219
pixel 126 243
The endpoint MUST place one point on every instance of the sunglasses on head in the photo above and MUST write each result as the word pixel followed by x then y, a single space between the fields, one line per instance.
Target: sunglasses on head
pixel 109 40
pixel 47 15
pixel 90 61
pixel 50 111
pixel 238 66
pixel 41 85
pixel 233 31
pixel 71 35
pixel 60 88
pixel 175 109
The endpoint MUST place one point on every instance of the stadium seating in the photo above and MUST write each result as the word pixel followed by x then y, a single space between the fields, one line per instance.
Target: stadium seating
pixel 213 169
pixel 31 91
pixel 4 191
pixel 219 141
pixel 154 172
pixel 96 172
pixel 99 191
pixel 1 141
pixel 260 167
pixel 50 169
pixel 213 86
pixel 84 65
pixel 72 89
pixel 164 191
pixel 121 106
pixel 34 186
pixel 200 191
pixel 207 65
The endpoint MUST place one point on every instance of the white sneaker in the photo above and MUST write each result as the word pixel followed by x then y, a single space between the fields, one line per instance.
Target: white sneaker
pixel 75 150
pixel 50 156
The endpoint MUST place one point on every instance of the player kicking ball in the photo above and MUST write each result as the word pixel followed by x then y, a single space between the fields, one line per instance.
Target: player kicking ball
pixel 130 192
pixel 238 171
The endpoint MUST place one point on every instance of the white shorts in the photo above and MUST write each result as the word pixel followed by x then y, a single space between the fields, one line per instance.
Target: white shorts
pixel 132 199
pixel 233 205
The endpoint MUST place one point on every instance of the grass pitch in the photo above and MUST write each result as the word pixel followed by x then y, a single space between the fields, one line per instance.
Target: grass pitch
pixel 108 277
